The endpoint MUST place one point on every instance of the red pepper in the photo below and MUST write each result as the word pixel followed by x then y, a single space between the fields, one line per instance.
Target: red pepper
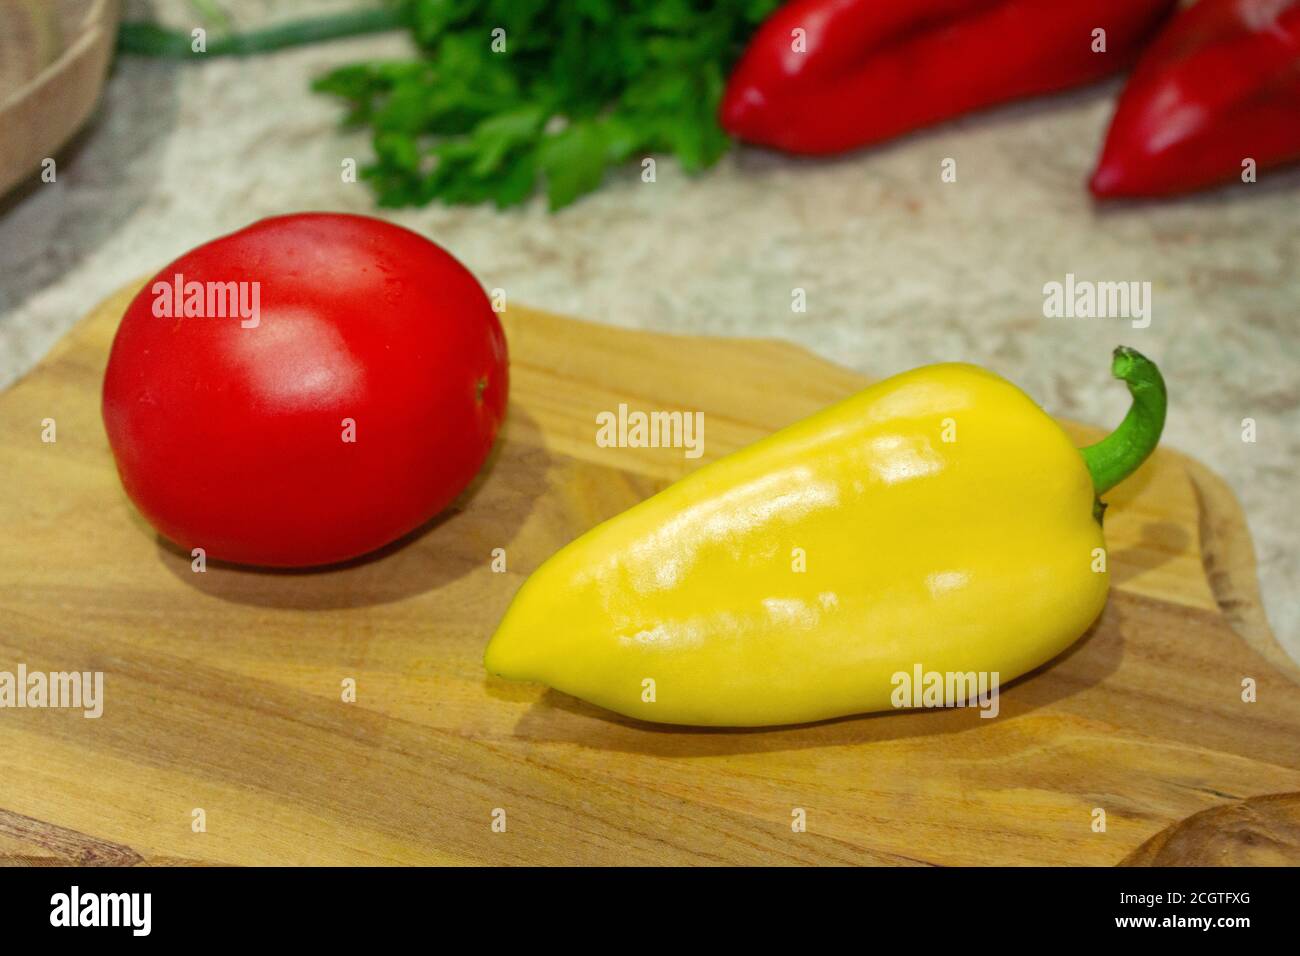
pixel 872 69
pixel 1219 86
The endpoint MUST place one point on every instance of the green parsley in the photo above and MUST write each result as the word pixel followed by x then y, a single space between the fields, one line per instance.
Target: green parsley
pixel 509 94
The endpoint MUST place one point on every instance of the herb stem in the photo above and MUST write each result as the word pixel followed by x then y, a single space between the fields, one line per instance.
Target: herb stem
pixel 145 38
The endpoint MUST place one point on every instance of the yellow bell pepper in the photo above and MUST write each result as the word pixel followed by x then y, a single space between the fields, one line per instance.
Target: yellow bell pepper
pixel 936 521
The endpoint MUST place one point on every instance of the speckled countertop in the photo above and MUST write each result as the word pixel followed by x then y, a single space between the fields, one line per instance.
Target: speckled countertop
pixel 899 268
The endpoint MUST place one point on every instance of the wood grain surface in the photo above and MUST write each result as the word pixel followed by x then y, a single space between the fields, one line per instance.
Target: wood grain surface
pixel 223 689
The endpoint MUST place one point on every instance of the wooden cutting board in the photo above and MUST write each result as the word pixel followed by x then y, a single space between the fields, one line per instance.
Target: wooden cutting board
pixel 224 689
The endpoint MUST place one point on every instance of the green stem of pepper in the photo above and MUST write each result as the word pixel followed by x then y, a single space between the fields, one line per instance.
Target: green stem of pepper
pixel 149 39
pixel 1119 454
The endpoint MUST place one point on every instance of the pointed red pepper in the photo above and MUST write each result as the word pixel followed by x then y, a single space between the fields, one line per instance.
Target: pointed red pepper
pixel 1219 86
pixel 867 70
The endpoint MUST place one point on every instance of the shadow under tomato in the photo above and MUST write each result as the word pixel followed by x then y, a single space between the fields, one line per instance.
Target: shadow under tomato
pixel 486 515
pixel 557 717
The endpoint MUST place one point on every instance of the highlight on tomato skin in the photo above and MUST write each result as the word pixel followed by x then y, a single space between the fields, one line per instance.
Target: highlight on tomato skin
pixel 305 390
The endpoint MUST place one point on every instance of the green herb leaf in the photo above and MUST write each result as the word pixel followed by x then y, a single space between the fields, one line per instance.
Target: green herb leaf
pixel 579 85
pixel 574 162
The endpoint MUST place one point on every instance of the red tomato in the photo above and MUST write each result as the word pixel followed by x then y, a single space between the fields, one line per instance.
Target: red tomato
pixel 233 434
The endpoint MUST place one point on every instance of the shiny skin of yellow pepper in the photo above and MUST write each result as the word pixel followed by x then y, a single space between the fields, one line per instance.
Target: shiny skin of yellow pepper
pixel 938 518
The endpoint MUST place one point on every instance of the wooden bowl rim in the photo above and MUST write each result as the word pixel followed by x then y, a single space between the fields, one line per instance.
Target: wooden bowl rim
pixel 99 15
